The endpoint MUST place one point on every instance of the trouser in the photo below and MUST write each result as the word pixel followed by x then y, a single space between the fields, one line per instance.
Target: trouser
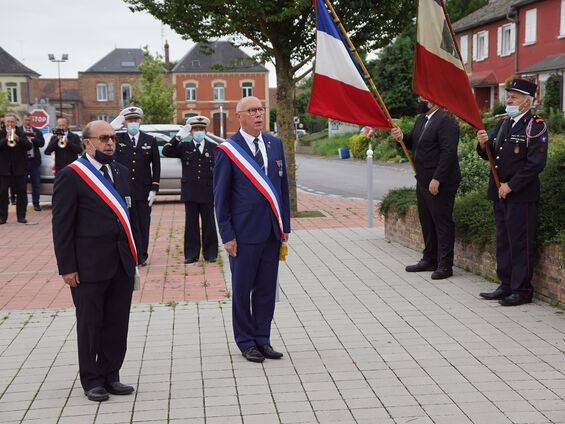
pixel 17 185
pixel 35 181
pixel 102 312
pixel 141 223
pixel 194 212
pixel 254 281
pixel 515 244
pixel 436 219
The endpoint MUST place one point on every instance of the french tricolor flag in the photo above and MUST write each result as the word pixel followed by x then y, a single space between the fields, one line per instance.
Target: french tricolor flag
pixel 338 90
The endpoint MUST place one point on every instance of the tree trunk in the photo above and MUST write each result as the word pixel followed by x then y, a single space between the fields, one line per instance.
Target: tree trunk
pixel 285 114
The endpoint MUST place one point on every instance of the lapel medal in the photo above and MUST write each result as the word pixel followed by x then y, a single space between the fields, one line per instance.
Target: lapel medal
pixel 128 201
pixel 516 149
pixel 280 166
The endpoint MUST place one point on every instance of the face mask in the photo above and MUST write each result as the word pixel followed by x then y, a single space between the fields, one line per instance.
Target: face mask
pixel 133 128
pixel 103 158
pixel 423 107
pixel 512 110
pixel 198 136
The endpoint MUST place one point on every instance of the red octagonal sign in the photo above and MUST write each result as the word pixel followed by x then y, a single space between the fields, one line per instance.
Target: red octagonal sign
pixel 39 118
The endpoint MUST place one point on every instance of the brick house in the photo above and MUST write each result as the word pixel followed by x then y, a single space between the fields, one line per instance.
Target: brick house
pixel 211 78
pixel 106 87
pixel 46 90
pixel 15 78
pixel 508 37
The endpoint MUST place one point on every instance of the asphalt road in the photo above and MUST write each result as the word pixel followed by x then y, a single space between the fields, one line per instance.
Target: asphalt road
pixel 348 177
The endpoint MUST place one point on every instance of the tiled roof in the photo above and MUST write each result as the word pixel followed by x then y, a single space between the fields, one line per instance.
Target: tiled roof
pixel 493 11
pixel 217 56
pixel 118 61
pixel 10 65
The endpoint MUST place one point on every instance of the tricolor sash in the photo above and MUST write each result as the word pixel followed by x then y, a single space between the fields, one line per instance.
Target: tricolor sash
pixel 256 176
pixel 102 187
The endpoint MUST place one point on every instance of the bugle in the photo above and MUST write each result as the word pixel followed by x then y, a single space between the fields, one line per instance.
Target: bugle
pixel 11 139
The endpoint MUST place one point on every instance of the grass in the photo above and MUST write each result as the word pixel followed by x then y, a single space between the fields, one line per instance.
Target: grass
pixel 330 146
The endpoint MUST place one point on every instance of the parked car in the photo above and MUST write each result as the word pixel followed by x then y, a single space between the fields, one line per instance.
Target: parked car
pixel 171 170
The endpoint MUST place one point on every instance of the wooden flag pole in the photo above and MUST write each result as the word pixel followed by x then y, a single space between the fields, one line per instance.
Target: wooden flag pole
pixel 367 77
pixel 487 147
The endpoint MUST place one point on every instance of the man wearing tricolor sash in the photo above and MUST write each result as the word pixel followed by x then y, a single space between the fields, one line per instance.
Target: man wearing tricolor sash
pixel 252 208
pixel 97 258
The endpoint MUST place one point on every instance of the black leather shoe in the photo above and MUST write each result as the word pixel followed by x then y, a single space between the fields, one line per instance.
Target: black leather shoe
pixel 37 208
pixel 268 352
pixel 515 299
pixel 97 394
pixel 421 266
pixel 441 273
pixel 211 260
pixel 144 263
pixel 2 221
pixel 117 388
pixel 498 294
pixel 253 355
pixel 22 220
pixel 190 260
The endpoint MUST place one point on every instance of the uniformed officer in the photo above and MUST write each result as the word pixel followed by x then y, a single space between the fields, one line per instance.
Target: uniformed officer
pixel 197 158
pixel 520 144
pixel 66 145
pixel 140 154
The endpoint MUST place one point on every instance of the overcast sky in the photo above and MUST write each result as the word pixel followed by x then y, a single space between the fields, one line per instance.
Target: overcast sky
pixel 86 30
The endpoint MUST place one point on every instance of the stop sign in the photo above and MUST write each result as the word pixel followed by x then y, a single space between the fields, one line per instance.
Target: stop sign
pixel 39 118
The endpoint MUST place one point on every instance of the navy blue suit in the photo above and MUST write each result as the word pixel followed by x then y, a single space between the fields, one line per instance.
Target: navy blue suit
pixel 245 215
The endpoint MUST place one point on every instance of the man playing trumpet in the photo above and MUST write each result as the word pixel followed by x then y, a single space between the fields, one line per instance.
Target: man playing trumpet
pixel 13 167
pixel 65 144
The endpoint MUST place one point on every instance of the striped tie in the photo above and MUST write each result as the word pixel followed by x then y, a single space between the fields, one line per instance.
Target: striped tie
pixel 258 156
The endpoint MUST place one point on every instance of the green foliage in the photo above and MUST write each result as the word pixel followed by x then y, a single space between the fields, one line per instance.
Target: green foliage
pixel 397 202
pixel 555 121
pixel 272 118
pixel 359 143
pixel 474 170
pixel 460 8
pixel 152 92
pixel 392 74
pixel 551 222
pixel 4 102
pixel 474 219
pixel 552 97
pixel 308 139
pixel 498 108
pixel 330 146
pixel 311 123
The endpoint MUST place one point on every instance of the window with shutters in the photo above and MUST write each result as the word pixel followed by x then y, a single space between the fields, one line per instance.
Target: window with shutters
pixel 480 46
pixel 464 48
pixel 125 99
pixel 531 26
pixel 101 92
pixel 506 40
pixel 12 89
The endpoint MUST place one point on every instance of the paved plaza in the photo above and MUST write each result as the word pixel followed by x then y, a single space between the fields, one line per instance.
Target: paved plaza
pixel 364 341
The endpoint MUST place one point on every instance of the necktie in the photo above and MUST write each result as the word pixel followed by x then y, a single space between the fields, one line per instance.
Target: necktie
pixel 258 156
pixel 104 170
pixel 133 142
pixel 198 143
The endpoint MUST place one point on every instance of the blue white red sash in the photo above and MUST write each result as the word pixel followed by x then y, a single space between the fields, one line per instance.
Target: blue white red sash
pixel 102 187
pixel 256 176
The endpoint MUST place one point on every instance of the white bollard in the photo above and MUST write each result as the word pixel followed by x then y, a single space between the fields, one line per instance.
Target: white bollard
pixel 370 186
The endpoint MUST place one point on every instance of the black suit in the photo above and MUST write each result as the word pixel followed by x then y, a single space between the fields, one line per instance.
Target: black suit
pixel 519 159
pixel 88 239
pixel 434 147
pixel 66 155
pixel 198 194
pixel 13 172
pixel 145 165
pixel 34 162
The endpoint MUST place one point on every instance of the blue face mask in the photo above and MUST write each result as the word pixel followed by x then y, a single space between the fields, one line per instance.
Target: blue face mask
pixel 133 128
pixel 512 110
pixel 198 136
pixel 101 157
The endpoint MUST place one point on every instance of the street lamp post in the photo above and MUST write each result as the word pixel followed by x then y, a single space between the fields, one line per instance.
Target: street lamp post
pixel 64 58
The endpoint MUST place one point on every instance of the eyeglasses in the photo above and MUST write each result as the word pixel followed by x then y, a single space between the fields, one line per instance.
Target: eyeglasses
pixel 253 111
pixel 105 138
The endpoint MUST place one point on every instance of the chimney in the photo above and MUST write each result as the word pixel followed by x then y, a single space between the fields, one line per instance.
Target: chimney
pixel 167 61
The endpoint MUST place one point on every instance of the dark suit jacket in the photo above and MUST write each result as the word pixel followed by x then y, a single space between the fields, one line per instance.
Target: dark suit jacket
pixel 242 211
pixel 434 148
pixel 87 236
pixel 197 169
pixel 519 160
pixel 142 160
pixel 65 156
pixel 38 141
pixel 13 160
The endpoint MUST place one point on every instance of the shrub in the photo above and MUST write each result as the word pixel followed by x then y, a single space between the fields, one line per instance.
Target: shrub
pixel 551 222
pixel 498 108
pixel 397 201
pixel 474 219
pixel 359 143
pixel 555 121
pixel 552 97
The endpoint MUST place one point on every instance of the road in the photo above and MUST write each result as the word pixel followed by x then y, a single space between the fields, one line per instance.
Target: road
pixel 349 177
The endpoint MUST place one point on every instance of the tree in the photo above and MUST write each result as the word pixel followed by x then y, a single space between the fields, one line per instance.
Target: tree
pixel 152 92
pixel 460 8
pixel 552 98
pixel 283 31
pixel 392 73
pixel 4 103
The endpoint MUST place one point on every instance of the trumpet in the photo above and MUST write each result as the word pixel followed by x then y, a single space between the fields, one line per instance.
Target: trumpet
pixel 62 143
pixel 11 140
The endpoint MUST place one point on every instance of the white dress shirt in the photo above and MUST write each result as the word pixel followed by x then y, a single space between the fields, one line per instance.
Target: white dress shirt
pixel 99 166
pixel 249 140
pixel 201 147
